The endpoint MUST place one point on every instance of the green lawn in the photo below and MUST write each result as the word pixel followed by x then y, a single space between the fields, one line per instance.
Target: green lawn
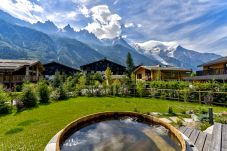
pixel 32 129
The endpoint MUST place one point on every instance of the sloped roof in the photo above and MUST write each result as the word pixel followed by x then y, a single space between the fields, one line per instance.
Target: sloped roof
pixel 14 65
pixel 55 62
pixel 164 68
pixel 216 61
pixel 102 60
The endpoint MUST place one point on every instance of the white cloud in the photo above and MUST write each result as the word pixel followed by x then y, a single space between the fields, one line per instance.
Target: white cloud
pixel 83 9
pixel 128 25
pixel 139 25
pixel 23 9
pixel 105 24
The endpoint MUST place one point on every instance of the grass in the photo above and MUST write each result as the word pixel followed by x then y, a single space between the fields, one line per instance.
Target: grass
pixel 32 129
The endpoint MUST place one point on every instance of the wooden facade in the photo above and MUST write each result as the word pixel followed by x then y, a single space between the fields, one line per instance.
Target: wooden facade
pixel 213 70
pixel 101 65
pixel 17 71
pixel 148 73
pixel 52 67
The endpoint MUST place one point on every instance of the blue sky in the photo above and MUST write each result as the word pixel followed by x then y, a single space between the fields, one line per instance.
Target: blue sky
pixel 199 25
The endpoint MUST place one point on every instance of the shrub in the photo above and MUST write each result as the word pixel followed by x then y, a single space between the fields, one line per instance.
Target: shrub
pixel 69 84
pixel 116 86
pixel 170 111
pixel 221 119
pixel 55 95
pixel 57 81
pixel 4 108
pixel 59 94
pixel 28 97
pixel 140 88
pixel 43 92
pixel 179 122
pixel 4 98
pixel 18 88
pixel 19 105
pixel 204 125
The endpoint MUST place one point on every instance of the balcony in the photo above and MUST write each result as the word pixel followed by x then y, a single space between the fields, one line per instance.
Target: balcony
pixel 17 78
pixel 220 71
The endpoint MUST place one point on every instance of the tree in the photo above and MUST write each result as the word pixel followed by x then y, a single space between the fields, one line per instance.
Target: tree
pixel 97 77
pixel 28 96
pixel 43 92
pixel 108 75
pixel 129 64
pixel 57 81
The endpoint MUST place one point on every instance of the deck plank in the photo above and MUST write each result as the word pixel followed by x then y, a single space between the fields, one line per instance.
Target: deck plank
pixel 200 141
pixel 216 138
pixel 188 132
pixel 193 137
pixel 224 138
pixel 207 142
pixel 183 129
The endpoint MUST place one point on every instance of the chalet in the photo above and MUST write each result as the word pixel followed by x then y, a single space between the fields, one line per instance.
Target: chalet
pixel 212 70
pixel 148 73
pixel 14 72
pixel 101 65
pixel 52 67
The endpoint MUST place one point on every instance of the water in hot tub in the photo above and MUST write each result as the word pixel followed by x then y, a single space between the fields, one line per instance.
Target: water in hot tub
pixel 121 135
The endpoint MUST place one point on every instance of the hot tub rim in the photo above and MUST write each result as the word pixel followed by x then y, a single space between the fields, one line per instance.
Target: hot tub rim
pixel 152 119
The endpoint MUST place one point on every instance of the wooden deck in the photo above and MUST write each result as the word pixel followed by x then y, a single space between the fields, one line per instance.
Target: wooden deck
pixel 217 141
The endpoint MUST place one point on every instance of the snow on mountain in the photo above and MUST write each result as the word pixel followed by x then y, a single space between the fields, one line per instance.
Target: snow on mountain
pixel 171 53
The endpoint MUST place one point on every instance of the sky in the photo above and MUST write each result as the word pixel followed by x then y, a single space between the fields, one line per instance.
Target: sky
pixel 199 25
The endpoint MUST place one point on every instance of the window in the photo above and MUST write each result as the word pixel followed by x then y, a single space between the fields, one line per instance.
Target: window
pixel 139 76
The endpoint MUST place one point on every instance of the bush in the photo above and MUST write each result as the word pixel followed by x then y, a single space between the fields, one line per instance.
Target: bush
pixel 204 125
pixel 116 87
pixel 4 108
pixel 19 105
pixel 179 122
pixel 58 79
pixel 28 97
pixel 59 94
pixel 170 111
pixel 4 97
pixel 43 92
pixel 140 88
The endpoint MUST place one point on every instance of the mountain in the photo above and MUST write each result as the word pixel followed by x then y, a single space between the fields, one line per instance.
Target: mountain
pixel 46 27
pixel 45 41
pixel 171 53
pixel 7 17
pixel 18 42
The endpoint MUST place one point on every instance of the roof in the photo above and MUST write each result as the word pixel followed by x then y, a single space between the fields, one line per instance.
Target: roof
pixel 163 68
pixel 102 60
pixel 216 61
pixel 14 65
pixel 55 62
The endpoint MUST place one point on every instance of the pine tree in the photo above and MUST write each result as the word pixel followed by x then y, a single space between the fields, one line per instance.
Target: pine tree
pixel 130 64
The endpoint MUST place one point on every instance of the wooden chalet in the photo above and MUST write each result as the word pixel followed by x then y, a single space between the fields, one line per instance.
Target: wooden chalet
pixel 16 71
pixel 212 70
pixel 101 65
pixel 52 67
pixel 148 73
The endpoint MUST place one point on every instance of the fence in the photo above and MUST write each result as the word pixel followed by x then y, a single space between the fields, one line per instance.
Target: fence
pixel 203 97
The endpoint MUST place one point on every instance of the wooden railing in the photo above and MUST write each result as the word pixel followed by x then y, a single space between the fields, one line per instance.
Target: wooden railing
pixel 211 72
pixel 17 78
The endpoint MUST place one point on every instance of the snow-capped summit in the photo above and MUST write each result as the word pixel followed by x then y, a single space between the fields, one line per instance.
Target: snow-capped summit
pixel 171 53
pixel 155 47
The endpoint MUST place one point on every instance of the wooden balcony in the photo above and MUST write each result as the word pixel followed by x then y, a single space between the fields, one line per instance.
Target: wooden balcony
pixel 220 71
pixel 17 78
